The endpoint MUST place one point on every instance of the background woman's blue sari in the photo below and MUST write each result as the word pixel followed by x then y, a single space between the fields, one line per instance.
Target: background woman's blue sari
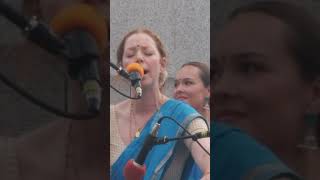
pixel 237 156
pixel 160 156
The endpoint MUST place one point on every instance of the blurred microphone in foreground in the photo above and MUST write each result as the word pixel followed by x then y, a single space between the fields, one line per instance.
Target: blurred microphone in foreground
pixel 85 33
pixel 46 146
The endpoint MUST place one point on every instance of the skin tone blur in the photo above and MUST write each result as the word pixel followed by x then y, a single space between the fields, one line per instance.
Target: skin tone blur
pixel 190 88
pixel 258 86
pixel 62 149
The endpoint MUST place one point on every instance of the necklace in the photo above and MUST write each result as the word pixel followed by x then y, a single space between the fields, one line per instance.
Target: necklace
pixel 133 118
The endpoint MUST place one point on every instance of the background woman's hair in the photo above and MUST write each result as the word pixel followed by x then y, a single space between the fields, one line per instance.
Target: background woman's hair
pixel 303 38
pixel 204 72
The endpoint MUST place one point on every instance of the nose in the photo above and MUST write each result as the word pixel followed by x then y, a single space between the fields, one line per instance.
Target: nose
pixel 178 89
pixel 225 87
pixel 139 57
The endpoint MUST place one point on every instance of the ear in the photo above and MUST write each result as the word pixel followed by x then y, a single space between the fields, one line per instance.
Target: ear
pixel 315 101
pixel 163 64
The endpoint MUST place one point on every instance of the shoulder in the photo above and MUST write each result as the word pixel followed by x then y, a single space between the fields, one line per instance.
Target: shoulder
pixel 179 105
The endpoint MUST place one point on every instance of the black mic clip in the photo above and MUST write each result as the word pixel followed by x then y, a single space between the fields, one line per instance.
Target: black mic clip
pixel 194 137
pixel 35 31
pixel 41 34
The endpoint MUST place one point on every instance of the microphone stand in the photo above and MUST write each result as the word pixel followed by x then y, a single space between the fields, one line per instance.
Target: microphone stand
pixel 35 31
pixel 122 72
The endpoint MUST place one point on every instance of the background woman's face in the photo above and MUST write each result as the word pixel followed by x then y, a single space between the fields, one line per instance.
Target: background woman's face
pixel 257 84
pixel 190 88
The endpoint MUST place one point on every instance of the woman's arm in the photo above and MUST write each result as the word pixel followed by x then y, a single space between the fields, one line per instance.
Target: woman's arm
pixel 199 155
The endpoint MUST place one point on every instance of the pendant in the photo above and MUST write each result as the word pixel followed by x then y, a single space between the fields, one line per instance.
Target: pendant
pixel 137 133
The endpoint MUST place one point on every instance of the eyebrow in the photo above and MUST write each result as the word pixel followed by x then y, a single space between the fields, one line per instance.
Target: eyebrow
pixel 241 55
pixel 244 55
pixel 135 47
pixel 183 79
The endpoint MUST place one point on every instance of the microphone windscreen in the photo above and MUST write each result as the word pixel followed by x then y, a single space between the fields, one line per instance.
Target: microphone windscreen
pixel 134 171
pixel 82 16
pixel 135 67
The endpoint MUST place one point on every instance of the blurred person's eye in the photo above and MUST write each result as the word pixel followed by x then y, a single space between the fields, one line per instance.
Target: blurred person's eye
pixel 251 67
pixel 176 83
pixel 188 83
pixel 250 64
pixel 248 68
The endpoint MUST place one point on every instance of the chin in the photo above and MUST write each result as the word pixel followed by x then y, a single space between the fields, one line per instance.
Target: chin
pixel 146 83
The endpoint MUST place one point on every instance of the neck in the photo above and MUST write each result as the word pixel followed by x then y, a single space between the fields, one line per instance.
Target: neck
pixel 150 101
pixel 204 112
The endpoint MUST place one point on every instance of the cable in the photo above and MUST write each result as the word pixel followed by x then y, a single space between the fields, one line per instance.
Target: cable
pixel 124 74
pixel 45 106
pixel 121 93
pixel 185 130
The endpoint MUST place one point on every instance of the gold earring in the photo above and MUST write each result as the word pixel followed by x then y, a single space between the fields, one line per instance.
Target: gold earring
pixel 206 103
pixel 310 140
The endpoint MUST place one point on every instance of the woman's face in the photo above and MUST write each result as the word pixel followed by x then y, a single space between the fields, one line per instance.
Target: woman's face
pixel 141 48
pixel 257 85
pixel 190 88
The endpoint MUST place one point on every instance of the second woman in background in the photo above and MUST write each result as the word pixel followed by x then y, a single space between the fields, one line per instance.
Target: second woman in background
pixel 192 85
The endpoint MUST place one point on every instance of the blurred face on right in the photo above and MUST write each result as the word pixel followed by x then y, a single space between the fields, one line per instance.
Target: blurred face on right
pixel 257 84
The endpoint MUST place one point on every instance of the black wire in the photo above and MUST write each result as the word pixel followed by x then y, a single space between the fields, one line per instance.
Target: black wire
pixel 185 130
pixel 45 106
pixel 121 93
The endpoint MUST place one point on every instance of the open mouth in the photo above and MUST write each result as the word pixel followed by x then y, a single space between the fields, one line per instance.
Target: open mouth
pixel 146 72
pixel 181 97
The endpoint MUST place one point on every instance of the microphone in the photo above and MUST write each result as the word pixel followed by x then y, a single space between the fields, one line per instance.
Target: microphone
pixel 135 169
pixel 136 73
pixel 85 35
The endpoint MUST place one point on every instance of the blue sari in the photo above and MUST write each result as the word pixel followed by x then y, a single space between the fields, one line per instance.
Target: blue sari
pixel 160 158
pixel 237 156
